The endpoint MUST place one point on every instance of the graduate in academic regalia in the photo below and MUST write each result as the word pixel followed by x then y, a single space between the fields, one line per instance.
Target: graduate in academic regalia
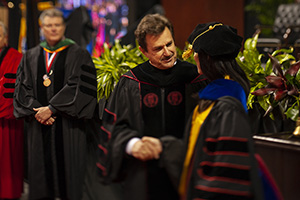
pixel 11 130
pixel 56 94
pixel 219 160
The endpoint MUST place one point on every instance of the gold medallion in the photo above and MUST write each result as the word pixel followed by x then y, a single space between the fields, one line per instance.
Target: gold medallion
pixel 47 82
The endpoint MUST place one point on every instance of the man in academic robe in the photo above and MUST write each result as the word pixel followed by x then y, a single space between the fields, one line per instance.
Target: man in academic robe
pixel 149 104
pixel 56 94
pixel 11 130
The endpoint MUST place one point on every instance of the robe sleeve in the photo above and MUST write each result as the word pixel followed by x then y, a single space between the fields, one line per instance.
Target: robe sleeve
pixel 172 157
pixel 226 167
pixel 24 99
pixel 122 120
pixel 78 97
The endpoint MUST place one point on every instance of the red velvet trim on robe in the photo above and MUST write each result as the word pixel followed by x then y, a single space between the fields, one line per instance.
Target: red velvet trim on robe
pixel 8 69
pixel 11 131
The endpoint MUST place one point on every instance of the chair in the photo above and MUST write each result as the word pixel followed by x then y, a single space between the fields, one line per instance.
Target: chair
pixel 286 28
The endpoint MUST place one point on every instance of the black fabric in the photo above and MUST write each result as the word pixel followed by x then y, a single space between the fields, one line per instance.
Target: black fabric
pixel 219 41
pixel 88 91
pixel 130 114
pixel 3 53
pixel 88 80
pixel 169 118
pixel 89 69
pixel 208 195
pixel 10 75
pixel 227 145
pixel 79 26
pixel 57 154
pixel 228 174
pixel 57 76
pixel 55 136
pixel 8 95
pixel 41 71
pixel 9 85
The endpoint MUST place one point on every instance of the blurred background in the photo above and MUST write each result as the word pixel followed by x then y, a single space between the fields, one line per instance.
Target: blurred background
pixel 92 22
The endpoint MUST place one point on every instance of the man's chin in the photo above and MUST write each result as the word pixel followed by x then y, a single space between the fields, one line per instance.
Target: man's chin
pixel 167 65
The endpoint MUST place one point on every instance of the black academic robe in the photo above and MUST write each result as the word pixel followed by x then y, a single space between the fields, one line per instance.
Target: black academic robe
pixel 146 102
pixel 223 165
pixel 57 154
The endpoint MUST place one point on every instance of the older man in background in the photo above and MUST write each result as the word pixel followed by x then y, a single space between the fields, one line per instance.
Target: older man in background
pixel 56 94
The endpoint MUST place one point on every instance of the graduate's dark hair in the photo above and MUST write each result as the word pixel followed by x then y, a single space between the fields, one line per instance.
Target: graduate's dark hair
pixel 218 67
pixel 151 24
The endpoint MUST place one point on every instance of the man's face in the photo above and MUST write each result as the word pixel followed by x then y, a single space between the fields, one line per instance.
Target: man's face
pixel 53 29
pixel 161 50
pixel 3 38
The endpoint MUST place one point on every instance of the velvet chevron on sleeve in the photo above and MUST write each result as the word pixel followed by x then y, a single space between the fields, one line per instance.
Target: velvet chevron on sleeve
pixel 223 165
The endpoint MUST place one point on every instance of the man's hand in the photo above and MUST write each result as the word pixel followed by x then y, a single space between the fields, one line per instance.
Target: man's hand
pixel 147 148
pixel 43 115
pixel 50 121
pixel 155 144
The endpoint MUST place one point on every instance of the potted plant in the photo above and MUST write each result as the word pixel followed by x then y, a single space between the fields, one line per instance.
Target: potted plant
pixel 274 96
pixel 113 63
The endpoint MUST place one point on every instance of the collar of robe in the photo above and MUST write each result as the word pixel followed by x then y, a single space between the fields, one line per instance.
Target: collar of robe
pixel 63 43
pixel 223 87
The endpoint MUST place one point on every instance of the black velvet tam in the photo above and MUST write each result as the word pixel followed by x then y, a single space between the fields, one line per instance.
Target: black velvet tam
pixel 216 39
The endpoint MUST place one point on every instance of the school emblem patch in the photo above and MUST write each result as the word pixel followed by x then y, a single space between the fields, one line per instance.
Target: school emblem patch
pixel 175 98
pixel 150 100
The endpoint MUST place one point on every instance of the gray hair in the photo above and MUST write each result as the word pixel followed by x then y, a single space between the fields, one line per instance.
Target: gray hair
pixel 52 12
pixel 4 28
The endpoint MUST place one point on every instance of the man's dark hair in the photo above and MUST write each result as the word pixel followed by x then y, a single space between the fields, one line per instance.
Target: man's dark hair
pixel 151 24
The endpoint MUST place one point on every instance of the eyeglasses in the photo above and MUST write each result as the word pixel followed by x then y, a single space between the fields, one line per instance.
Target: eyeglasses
pixel 52 25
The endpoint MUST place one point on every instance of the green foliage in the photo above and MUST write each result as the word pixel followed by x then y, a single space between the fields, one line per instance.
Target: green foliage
pixel 265 12
pixel 113 63
pixel 274 83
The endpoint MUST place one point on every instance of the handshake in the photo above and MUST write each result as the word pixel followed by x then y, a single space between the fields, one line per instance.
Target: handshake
pixel 148 148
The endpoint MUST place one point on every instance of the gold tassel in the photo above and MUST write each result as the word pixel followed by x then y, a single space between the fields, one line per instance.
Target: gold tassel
pixel 187 53
pixel 227 77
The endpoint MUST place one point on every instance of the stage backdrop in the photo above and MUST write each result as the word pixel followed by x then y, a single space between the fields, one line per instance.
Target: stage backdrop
pixel 185 15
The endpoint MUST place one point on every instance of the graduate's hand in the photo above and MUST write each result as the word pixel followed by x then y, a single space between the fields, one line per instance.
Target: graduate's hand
pixel 154 144
pixel 43 114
